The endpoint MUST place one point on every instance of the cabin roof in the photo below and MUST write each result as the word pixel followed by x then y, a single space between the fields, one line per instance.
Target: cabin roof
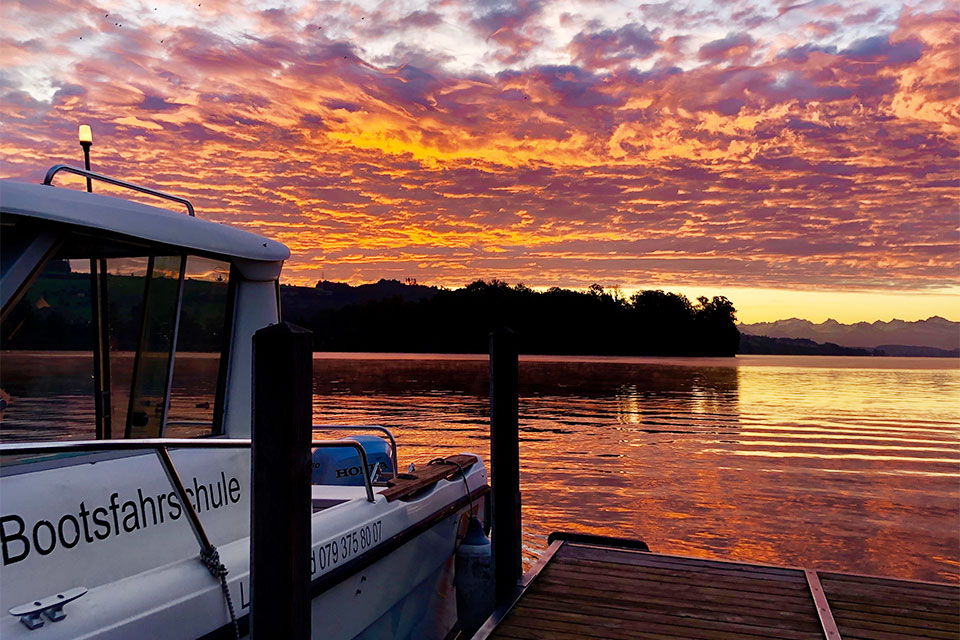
pixel 128 218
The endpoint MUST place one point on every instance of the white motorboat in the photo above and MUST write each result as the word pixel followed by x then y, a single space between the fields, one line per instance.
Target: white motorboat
pixel 96 537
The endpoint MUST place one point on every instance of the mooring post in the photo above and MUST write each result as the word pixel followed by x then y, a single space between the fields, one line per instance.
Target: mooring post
pixel 505 463
pixel 280 509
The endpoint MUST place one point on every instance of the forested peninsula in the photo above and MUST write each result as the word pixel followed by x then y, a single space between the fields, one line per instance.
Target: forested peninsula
pixel 392 316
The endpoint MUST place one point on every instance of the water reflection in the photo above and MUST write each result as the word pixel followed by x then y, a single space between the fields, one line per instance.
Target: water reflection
pixel 834 467
pixel 786 461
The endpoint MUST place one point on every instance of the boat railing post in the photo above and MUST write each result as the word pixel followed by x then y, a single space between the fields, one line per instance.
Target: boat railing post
pixel 280 509
pixel 174 478
pixel 505 463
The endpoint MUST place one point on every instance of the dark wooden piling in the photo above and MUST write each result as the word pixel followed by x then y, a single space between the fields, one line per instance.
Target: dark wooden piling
pixel 280 509
pixel 505 463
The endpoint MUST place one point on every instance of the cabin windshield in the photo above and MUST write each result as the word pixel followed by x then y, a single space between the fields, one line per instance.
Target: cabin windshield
pixel 110 339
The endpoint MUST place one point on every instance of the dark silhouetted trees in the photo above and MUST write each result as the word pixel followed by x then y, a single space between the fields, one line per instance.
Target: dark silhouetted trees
pixel 393 316
pixel 556 321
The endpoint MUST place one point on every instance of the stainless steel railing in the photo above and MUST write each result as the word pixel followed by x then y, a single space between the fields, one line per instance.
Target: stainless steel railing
pixel 90 175
pixel 319 427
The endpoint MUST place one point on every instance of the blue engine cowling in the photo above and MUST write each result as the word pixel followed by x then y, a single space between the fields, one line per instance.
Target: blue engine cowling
pixel 342 465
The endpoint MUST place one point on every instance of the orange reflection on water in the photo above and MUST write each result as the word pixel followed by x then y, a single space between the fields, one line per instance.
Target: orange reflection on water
pixel 828 467
pixel 831 467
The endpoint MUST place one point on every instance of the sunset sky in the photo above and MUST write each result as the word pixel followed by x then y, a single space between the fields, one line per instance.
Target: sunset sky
pixel 800 158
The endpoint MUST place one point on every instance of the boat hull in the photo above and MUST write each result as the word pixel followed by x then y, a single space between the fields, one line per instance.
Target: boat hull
pixel 378 570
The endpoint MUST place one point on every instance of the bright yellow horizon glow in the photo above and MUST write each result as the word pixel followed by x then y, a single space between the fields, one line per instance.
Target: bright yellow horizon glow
pixel 768 305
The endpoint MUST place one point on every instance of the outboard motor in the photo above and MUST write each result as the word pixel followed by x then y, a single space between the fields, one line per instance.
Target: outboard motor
pixel 342 465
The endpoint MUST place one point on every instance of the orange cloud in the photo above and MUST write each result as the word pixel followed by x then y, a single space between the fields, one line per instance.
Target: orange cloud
pixel 629 155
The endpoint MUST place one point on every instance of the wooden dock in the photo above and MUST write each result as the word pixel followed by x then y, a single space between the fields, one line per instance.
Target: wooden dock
pixel 588 590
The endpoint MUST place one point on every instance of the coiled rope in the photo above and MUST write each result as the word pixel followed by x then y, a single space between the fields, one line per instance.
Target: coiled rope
pixel 211 560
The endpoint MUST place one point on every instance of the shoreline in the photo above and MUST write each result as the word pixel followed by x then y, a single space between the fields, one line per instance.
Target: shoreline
pixel 740 360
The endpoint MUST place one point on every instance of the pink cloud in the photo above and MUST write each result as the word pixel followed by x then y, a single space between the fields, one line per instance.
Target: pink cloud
pixel 613 47
pixel 736 47
pixel 806 165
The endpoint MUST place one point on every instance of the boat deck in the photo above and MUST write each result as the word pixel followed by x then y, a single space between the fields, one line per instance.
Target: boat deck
pixel 586 591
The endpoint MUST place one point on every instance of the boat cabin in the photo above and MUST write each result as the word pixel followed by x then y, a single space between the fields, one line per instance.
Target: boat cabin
pixel 157 299
pixel 127 331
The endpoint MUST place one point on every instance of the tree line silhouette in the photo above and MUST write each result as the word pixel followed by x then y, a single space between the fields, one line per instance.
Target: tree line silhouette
pixel 392 316
pixel 556 321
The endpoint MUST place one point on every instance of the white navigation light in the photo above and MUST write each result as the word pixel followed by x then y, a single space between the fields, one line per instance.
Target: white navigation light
pixel 86 134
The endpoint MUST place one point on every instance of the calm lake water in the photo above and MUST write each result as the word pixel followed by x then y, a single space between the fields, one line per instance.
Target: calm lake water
pixel 835 463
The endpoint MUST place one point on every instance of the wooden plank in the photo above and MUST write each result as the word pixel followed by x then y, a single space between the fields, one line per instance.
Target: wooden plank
pixel 699 599
pixel 902 627
pixel 629 599
pixel 539 628
pixel 695 614
pixel 892 610
pixel 758 590
pixel 557 628
pixel 638 558
pixel 881 593
pixel 642 579
pixel 892 591
pixel 666 624
pixel 543 631
pixel 694 594
pixel 944 623
pixel 408 484
pixel 617 572
pixel 897 600
pixel 951 589
pixel 599 610
pixel 550 628
pixel 713 578
pixel 853 633
pixel 794 577
pixel 621 556
pixel 691 609
pixel 521 633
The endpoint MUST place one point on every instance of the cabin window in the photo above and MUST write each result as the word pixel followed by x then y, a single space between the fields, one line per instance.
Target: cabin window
pixel 46 366
pixel 93 348
pixel 202 348
pixel 143 295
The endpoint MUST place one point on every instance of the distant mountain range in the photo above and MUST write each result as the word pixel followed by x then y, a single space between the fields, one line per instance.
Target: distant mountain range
pixel 800 347
pixel 933 336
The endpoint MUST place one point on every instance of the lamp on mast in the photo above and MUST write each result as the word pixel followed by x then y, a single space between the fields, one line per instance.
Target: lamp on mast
pixel 86 141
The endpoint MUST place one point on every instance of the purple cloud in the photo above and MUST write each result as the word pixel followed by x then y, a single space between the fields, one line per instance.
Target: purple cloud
pixel 736 47
pixel 879 47
pixel 611 48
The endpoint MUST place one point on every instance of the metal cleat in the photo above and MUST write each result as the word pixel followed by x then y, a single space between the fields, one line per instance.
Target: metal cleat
pixel 51 607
